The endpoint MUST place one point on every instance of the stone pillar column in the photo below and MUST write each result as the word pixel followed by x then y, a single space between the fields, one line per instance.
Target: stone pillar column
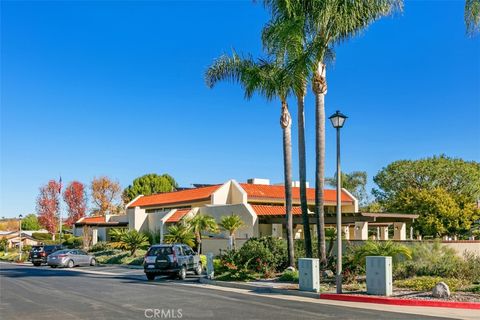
pixel 399 231
pixel 346 232
pixel 361 230
pixel 352 233
pixel 383 233
pixel 94 236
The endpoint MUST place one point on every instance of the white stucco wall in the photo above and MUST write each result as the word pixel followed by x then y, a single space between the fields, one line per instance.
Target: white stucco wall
pixel 137 219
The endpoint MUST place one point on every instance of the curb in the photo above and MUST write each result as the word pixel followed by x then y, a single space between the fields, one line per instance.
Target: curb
pixel 400 302
pixel 259 289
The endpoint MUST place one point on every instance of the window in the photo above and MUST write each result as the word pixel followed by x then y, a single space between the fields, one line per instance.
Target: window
pixel 160 251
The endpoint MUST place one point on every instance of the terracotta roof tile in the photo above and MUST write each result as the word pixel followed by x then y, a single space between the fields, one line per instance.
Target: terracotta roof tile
pixel 93 220
pixel 262 191
pixel 263 210
pixel 178 215
pixel 188 195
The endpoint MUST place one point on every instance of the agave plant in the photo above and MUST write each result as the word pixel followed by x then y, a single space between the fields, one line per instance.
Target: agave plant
pixel 133 240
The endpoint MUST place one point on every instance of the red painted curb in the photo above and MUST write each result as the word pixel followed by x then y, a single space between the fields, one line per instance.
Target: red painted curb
pixel 400 302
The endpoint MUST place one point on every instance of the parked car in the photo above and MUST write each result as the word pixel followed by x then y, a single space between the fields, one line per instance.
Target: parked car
pixel 70 258
pixel 171 259
pixel 39 254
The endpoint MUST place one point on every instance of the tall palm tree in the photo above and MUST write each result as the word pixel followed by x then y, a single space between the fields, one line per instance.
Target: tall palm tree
pixel 326 23
pixel 287 37
pixel 472 16
pixel 200 223
pixel 231 224
pixel 272 80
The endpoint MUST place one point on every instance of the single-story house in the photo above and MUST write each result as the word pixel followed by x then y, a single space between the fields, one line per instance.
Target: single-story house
pixel 13 239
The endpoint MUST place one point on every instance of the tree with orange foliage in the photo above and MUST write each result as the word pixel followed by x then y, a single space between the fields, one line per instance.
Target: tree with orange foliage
pixel 48 203
pixel 105 195
pixel 75 198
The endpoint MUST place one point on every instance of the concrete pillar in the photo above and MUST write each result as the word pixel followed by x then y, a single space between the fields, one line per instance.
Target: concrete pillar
pixel 399 231
pixel 277 230
pixel 352 233
pixel 361 230
pixel 378 233
pixel 298 231
pixel 383 233
pixel 94 236
pixel 346 232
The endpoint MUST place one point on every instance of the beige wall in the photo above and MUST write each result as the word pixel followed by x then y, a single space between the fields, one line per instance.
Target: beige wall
pixel 245 212
pixel 214 245
pixel 137 219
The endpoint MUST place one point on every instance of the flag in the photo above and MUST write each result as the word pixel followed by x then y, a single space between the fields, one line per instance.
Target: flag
pixel 60 185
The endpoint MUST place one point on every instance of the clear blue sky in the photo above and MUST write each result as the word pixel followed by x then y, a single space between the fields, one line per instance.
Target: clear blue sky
pixel 116 88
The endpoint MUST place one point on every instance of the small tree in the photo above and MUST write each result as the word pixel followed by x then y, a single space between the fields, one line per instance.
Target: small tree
pixel 75 198
pixel 3 244
pixel 179 234
pixel 201 223
pixel 105 195
pixel 231 224
pixel 30 222
pixel 48 206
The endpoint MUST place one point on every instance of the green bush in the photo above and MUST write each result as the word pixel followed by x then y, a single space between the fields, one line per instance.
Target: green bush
pixel 114 256
pixel 266 254
pixel 99 246
pixel 203 260
pixel 41 236
pixel 289 276
pixel 427 283
pixel 437 260
pixel 73 242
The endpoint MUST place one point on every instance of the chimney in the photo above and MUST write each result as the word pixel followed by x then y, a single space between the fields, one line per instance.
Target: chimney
pixel 258 181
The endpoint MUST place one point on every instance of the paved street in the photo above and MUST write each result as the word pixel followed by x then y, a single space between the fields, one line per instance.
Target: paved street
pixel 117 293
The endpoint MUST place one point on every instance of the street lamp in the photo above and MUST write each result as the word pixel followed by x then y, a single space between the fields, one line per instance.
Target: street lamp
pixel 20 237
pixel 338 119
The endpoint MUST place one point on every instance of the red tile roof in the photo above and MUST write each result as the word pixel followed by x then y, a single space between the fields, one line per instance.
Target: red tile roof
pixel 178 215
pixel 263 210
pixel 87 220
pixel 189 195
pixel 262 191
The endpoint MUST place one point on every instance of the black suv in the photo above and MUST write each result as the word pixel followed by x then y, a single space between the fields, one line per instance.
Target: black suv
pixel 171 259
pixel 39 254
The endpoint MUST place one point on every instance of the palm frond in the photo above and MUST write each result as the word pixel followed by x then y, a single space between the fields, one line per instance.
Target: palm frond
pixel 472 16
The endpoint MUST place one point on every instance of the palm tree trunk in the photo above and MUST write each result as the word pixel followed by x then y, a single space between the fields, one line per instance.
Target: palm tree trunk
pixel 302 165
pixel 319 86
pixel 199 243
pixel 285 122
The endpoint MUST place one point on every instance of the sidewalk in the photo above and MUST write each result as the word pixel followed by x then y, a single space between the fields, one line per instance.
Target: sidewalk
pixel 278 290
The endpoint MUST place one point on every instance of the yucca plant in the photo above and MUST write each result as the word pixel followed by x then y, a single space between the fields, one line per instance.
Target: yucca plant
pixel 201 223
pixel 179 234
pixel 231 224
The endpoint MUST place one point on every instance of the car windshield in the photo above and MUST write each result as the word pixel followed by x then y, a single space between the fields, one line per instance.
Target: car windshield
pixel 50 248
pixel 160 251
pixel 37 249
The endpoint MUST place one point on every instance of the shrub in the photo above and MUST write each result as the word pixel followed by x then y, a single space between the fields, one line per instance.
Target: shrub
pixel 41 236
pixel 266 254
pixel 100 246
pixel 289 276
pixel 427 283
pixel 153 236
pixel 398 252
pixel 73 242
pixel 203 260
pixel 133 240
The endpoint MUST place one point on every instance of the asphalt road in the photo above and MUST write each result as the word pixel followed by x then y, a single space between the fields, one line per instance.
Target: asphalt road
pixel 43 293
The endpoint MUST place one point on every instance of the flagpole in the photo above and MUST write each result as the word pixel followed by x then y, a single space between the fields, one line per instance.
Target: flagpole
pixel 60 210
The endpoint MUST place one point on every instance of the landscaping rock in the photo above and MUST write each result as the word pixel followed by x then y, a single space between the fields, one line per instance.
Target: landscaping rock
pixel 328 274
pixel 290 269
pixel 441 290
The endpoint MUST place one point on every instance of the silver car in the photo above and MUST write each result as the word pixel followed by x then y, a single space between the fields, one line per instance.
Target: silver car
pixel 70 258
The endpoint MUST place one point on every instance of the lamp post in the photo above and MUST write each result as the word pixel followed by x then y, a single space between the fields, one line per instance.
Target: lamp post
pixel 338 119
pixel 20 237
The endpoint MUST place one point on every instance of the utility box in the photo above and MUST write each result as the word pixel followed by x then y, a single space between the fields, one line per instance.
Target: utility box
pixel 379 276
pixel 210 269
pixel 309 274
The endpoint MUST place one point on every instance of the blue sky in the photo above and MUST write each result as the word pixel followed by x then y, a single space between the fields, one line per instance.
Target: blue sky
pixel 116 88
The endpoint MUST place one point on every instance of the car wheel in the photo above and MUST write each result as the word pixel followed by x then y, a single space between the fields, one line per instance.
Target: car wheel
pixel 150 276
pixel 198 269
pixel 93 262
pixel 53 266
pixel 36 264
pixel 70 264
pixel 182 274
